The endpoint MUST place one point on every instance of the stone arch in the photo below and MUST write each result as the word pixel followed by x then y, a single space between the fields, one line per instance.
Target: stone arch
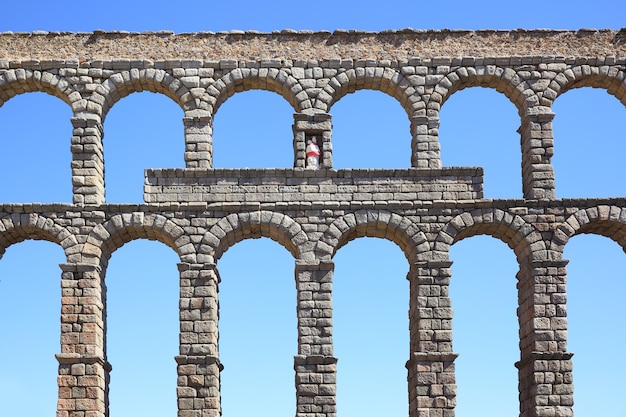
pixel 611 79
pixel 252 225
pixel 373 223
pixel 19 227
pixel 269 79
pixel 121 84
pixel 19 81
pixel 503 80
pixel 383 79
pixel 109 236
pixel 522 237
pixel 604 220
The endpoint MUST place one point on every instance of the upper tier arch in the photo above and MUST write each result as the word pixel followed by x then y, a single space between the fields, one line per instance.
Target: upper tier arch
pixel 604 220
pixel 610 78
pixel 19 81
pixel 384 79
pixel 503 80
pixel 121 84
pixel 19 227
pixel 271 79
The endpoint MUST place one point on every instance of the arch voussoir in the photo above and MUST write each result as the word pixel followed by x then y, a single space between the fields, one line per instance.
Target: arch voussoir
pixel 609 78
pixel 124 83
pixel 503 80
pixel 236 227
pixel 120 229
pixel 20 227
pixel 15 82
pixel 512 229
pixel 269 79
pixel 384 79
pixel 372 223
pixel 604 220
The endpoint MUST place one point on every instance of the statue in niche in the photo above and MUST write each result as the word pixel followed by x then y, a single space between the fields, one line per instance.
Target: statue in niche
pixel 312 153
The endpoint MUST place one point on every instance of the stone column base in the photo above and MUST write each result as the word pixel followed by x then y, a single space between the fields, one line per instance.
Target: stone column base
pixel 316 386
pixel 432 384
pixel 546 388
pixel 83 382
pixel 198 388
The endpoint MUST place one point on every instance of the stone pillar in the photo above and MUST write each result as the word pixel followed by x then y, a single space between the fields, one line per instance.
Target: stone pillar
pixel 87 159
pixel 198 139
pixel 306 126
pixel 315 365
pixel 431 378
pixel 545 367
pixel 199 366
pixel 425 149
pixel 537 150
pixel 83 369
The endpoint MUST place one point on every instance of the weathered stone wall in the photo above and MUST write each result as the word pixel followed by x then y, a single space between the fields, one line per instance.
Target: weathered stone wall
pixel 394 45
pixel 200 212
pixel 394 188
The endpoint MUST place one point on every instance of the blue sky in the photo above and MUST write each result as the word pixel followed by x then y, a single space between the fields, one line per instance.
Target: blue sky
pixel 258 321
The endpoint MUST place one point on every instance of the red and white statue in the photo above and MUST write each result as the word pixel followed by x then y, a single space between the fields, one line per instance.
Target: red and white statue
pixel 312 153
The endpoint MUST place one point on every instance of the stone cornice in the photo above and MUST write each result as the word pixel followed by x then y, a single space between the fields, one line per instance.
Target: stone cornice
pixel 394 45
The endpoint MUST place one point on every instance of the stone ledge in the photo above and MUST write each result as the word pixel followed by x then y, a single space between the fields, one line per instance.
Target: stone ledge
pixel 406 66
pixel 104 210
pixel 314 360
pixel 432 263
pixel 70 358
pixel 258 173
pixel 79 267
pixel 544 356
pixel 549 263
pixel 199 360
pixel 314 265
pixel 77 358
pixel 432 357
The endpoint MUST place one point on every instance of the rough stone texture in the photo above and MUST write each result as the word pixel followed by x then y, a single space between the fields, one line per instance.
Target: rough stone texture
pixel 289 44
pixel 397 187
pixel 200 212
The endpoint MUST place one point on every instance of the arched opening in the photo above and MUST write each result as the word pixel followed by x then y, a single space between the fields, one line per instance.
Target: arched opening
pixel 142 328
pixel 370 130
pixel 258 329
pixel 485 327
pixel 30 308
pixel 479 128
pixel 142 130
pixel 370 328
pixel 589 144
pixel 252 129
pixel 35 136
pixel 595 310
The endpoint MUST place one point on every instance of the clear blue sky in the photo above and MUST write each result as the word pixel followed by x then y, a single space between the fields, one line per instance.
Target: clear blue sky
pixel 258 338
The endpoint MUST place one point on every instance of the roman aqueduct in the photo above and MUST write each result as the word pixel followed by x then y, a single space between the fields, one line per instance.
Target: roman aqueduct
pixel 200 212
